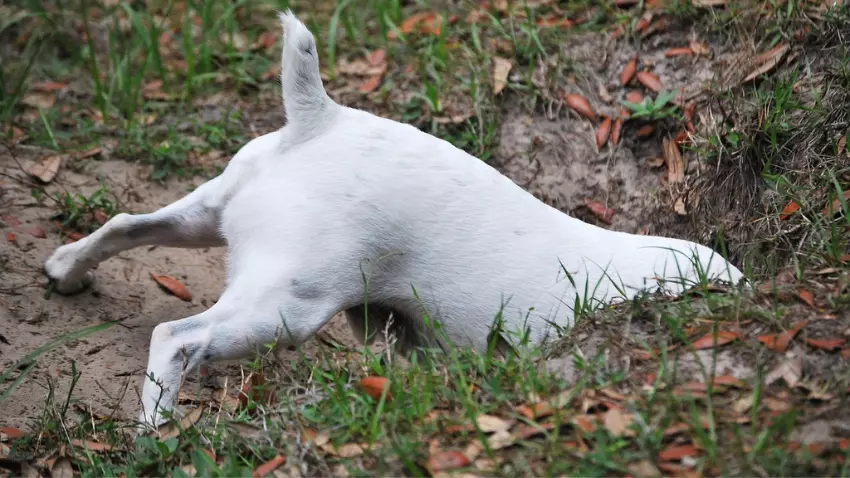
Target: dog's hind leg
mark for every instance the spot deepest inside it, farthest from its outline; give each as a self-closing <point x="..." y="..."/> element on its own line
<point x="189" y="222"/>
<point x="258" y="308"/>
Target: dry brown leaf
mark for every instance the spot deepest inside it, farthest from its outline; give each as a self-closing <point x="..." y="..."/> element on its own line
<point x="371" y="84"/>
<point x="580" y="105"/>
<point x="790" y="370"/>
<point x="827" y="344"/>
<point x="43" y="101"/>
<point x="628" y="72"/>
<point x="501" y="68"/>
<point x="700" y="48"/>
<point x="788" y="210"/>
<point x="835" y="206"/>
<point x="173" y="286"/>
<point x="677" y="452"/>
<point x="491" y="424"/>
<point x="603" y="132"/>
<point x="709" y="340"/>
<point x="348" y="450"/>
<point x="172" y="430"/>
<point x="767" y="61"/>
<point x="617" y="422"/>
<point x="643" y="468"/>
<point x="780" y="342"/>
<point x="742" y="405"/>
<point x="679" y="51"/>
<point x="62" y="468"/>
<point x="92" y="445"/>
<point x="806" y="296"/>
<point x="446" y="460"/>
<point x="374" y="387"/>
<point x="46" y="168"/>
<point x="650" y="81"/>
<point x="47" y="86"/>
<point x="584" y="423"/>
<point x="645" y="131"/>
<point x="710" y="3"/>
<point x="674" y="160"/>
<point x="269" y="466"/>
<point x="499" y="440"/>
<point x="634" y="96"/>
<point x="599" y="210"/>
<point x="615" y="131"/>
<point x="11" y="433"/>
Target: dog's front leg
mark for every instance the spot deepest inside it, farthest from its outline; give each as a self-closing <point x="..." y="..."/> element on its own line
<point x="190" y="222"/>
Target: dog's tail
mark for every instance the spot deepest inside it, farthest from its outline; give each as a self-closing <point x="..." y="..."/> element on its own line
<point x="305" y="102"/>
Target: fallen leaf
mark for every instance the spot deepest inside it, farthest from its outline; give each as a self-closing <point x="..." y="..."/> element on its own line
<point x="677" y="452"/>
<point x="91" y="152"/>
<point x="265" y="41"/>
<point x="348" y="450"/>
<point x="628" y="72"/>
<point x="374" y="387"/>
<point x="501" y="68"/>
<point x="580" y="105"/>
<point x="780" y="342"/>
<point x="371" y="84"/>
<point x="679" y="51"/>
<point x="172" y="430"/>
<point x="11" y="237"/>
<point x="807" y="297"/>
<point x="835" y="206"/>
<point x="790" y="370"/>
<point x="12" y="221"/>
<point x="645" y="131"/>
<point x="428" y="23"/>
<point x="584" y="423"/>
<point x="37" y="100"/>
<point x="826" y="344"/>
<point x="47" y="86"/>
<point x="46" y="168"/>
<point x="500" y="440"/>
<point x="845" y="353"/>
<point x="91" y="445"/>
<point x="650" y="81"/>
<point x="173" y="286"/>
<point x="269" y="466"/>
<point x="446" y="460"/>
<point x="603" y="132"/>
<point x="674" y="160"/>
<point x="599" y="210"/>
<point x="710" y="3"/>
<point x="11" y="433"/>
<point x="617" y="422"/>
<point x="62" y="468"/>
<point x="615" y="131"/>
<point x="643" y="468"/>
<point x="788" y="210"/>
<point x="634" y="96"/>
<point x="767" y="61"/>
<point x="710" y="341"/>
<point x="491" y="424"/>
<point x="700" y="48"/>
<point x="742" y="405"/>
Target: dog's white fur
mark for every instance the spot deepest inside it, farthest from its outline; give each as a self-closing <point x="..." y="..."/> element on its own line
<point x="341" y="207"/>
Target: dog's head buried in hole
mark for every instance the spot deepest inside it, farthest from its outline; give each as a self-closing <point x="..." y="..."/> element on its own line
<point x="339" y="207"/>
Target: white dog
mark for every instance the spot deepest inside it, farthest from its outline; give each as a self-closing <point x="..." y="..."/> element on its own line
<point x="341" y="208"/>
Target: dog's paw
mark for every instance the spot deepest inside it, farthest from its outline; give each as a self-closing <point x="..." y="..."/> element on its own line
<point x="69" y="274"/>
